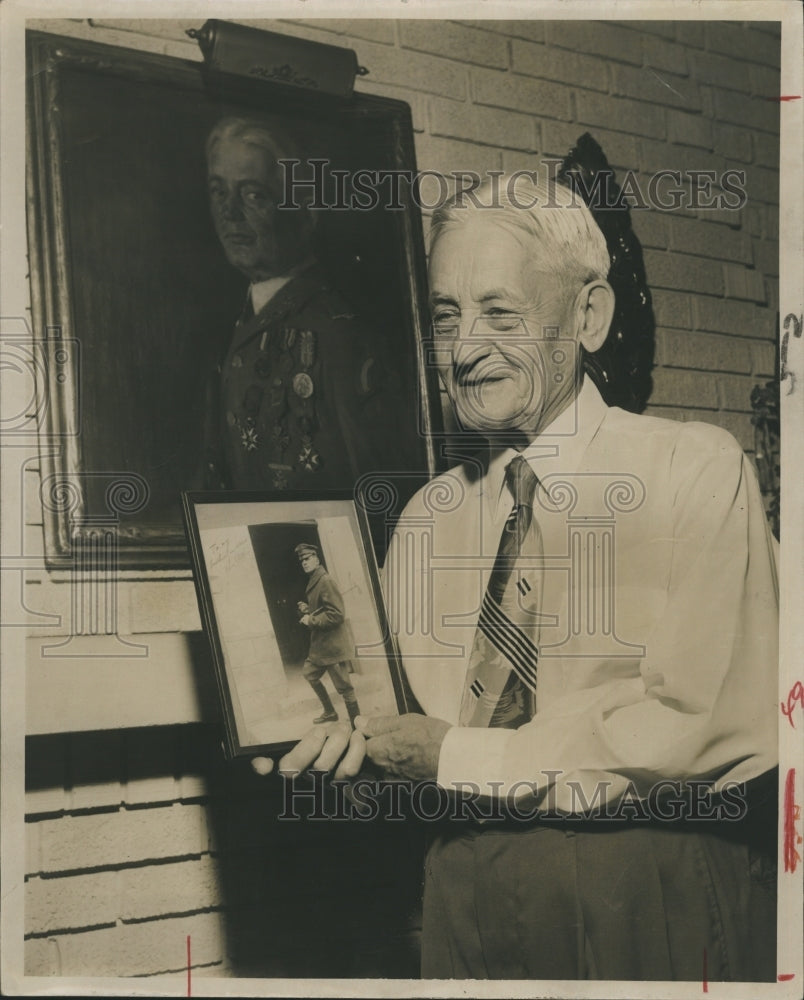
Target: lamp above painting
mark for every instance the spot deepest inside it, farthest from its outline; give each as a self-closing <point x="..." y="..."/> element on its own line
<point x="265" y="55"/>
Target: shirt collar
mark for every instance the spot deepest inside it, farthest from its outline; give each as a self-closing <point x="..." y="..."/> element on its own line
<point x="559" y="448"/>
<point x="262" y="292"/>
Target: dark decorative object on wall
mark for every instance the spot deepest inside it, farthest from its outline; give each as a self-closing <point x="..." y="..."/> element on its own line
<point x="621" y="368"/>
<point x="765" y="418"/>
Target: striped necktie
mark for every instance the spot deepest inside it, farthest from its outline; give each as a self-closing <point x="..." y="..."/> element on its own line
<point x="501" y="679"/>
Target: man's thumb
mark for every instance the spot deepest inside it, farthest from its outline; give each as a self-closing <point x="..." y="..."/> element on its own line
<point x="376" y="725"/>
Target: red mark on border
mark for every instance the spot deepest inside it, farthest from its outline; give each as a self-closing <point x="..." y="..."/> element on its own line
<point x="704" y="979"/>
<point x="792" y="813"/>
<point x="785" y="97"/>
<point x="795" y="699"/>
<point x="785" y="977"/>
<point x="189" y="972"/>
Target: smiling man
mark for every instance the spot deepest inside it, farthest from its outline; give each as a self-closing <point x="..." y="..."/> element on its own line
<point x="588" y="616"/>
<point x="301" y="367"/>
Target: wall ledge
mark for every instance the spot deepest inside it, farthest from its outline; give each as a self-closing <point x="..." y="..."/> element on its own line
<point x="84" y="683"/>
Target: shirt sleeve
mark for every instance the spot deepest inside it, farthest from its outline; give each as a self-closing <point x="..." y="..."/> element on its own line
<point x="704" y="703"/>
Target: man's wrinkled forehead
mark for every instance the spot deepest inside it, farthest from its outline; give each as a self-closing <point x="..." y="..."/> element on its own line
<point x="229" y="146"/>
<point x="480" y="232"/>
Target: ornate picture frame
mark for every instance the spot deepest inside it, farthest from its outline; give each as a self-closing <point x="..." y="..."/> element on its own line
<point x="134" y="301"/>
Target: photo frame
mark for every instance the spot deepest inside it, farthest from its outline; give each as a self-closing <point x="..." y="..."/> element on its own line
<point x="290" y="600"/>
<point x="134" y="301"/>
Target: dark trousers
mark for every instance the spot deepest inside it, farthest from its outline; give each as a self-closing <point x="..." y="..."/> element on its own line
<point x="339" y="672"/>
<point x="635" y="902"/>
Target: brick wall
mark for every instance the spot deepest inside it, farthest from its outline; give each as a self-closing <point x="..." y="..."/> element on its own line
<point x="123" y="860"/>
<point x="141" y="838"/>
<point x="119" y="866"/>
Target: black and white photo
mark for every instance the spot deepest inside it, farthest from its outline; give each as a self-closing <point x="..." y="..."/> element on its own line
<point x="291" y="599"/>
<point x="400" y="498"/>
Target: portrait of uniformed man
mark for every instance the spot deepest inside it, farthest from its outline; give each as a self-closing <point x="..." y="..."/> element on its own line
<point x="331" y="643"/>
<point x="301" y="399"/>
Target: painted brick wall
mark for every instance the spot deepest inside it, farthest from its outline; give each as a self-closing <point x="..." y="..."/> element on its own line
<point x="122" y="861"/>
<point x="119" y="866"/>
<point x="141" y="838"/>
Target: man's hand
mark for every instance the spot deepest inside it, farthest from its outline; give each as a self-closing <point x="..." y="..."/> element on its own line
<point x="405" y="746"/>
<point x="322" y="748"/>
<point x="305" y="620"/>
<point x="303" y="607"/>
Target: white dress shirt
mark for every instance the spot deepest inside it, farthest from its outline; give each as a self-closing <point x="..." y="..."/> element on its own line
<point x="262" y="292"/>
<point x="658" y="646"/>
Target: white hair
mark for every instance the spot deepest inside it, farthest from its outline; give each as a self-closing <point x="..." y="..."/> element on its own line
<point x="553" y="218"/>
<point x="271" y="136"/>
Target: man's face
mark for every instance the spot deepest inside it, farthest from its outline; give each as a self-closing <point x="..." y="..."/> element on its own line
<point x="309" y="562"/>
<point x="245" y="188"/>
<point x="498" y="314"/>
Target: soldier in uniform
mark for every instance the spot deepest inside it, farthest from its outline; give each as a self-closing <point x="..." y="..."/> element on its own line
<point x="331" y="646"/>
<point x="301" y="368"/>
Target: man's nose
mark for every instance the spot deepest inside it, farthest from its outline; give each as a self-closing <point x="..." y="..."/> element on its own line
<point x="471" y="343"/>
<point x="232" y="207"/>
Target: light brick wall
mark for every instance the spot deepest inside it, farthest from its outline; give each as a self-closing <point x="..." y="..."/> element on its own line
<point x="121" y="859"/>
<point x="141" y="838"/>
<point x="120" y="870"/>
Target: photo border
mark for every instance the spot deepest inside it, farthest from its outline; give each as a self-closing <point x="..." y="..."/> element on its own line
<point x="191" y="500"/>
<point x="792" y="490"/>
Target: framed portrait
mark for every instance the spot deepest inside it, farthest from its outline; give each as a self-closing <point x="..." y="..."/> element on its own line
<point x="291" y="603"/>
<point x="138" y="294"/>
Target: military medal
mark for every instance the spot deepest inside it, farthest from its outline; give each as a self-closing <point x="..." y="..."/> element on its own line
<point x="248" y="436"/>
<point x="279" y="437"/>
<point x="279" y="475"/>
<point x="307" y="348"/>
<point x="303" y="385"/>
<point x="309" y="459"/>
<point x="248" y="428"/>
<point x="262" y="363"/>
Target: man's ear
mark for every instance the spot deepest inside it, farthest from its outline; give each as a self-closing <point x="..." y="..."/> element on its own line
<point x="595" y="309"/>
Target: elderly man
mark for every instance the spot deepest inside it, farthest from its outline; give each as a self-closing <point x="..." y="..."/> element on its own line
<point x="588" y="616"/>
<point x="300" y="368"/>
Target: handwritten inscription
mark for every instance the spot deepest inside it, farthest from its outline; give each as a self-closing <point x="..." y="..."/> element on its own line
<point x="792" y="817"/>
<point x="218" y="551"/>
<point x="796" y="322"/>
<point x="227" y="551"/>
<point x="795" y="699"/>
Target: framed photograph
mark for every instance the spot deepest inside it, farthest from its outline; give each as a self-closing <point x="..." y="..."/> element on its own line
<point x="291" y="603"/>
<point x="161" y="369"/>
